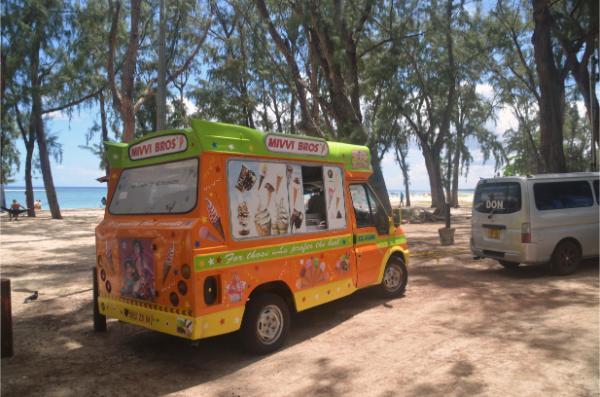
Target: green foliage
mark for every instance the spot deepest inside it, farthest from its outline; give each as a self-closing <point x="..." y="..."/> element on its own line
<point x="375" y="72"/>
<point x="9" y="154"/>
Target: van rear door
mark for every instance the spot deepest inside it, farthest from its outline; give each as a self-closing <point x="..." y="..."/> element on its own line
<point x="498" y="213"/>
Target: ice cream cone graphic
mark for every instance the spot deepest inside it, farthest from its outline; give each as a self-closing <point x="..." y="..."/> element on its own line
<point x="288" y="173"/>
<point x="270" y="190"/>
<point x="214" y="218"/>
<point x="263" y="174"/>
<point x="331" y="192"/>
<point x="295" y="190"/>
<point x="168" y="262"/>
<point x="278" y="183"/>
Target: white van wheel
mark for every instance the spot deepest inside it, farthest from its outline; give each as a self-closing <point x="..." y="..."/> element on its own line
<point x="565" y="258"/>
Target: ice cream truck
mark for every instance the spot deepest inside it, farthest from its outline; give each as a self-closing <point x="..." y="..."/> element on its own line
<point x="220" y="228"/>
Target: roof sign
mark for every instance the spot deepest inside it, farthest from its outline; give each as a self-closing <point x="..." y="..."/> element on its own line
<point x="292" y="145"/>
<point x="360" y="159"/>
<point x="161" y="145"/>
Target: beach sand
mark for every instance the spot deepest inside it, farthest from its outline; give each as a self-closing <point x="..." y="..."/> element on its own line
<point x="464" y="327"/>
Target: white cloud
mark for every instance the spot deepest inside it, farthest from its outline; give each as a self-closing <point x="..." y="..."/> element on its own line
<point x="581" y="109"/>
<point x="505" y="120"/>
<point x="486" y="90"/>
<point x="190" y="108"/>
<point x="58" y="115"/>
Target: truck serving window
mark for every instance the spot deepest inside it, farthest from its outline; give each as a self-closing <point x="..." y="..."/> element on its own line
<point x="499" y="198"/>
<point x="559" y="195"/>
<point x="168" y="188"/>
<point x="270" y="198"/>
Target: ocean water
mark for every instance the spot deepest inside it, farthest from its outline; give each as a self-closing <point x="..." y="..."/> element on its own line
<point x="68" y="197"/>
<point x="89" y="197"/>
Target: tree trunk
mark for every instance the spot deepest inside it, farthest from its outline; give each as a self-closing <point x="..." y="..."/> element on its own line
<point x="29" y="143"/>
<point x="292" y="113"/>
<point x="38" y="124"/>
<point x="29" y="198"/>
<point x="453" y="199"/>
<point x="378" y="183"/>
<point x="104" y="127"/>
<point x="587" y="90"/>
<point x="161" y="92"/>
<point x="404" y="168"/>
<point x="128" y="115"/>
<point x="448" y="177"/>
<point x="2" y="196"/>
<point x="552" y="91"/>
<point x="432" y="163"/>
<point x="455" y="175"/>
<point x="46" y="170"/>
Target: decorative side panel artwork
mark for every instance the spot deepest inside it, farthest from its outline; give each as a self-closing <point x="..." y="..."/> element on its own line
<point x="334" y="197"/>
<point x="137" y="269"/>
<point x="260" y="194"/>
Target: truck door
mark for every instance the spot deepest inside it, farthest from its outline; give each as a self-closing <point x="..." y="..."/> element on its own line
<point x="371" y="223"/>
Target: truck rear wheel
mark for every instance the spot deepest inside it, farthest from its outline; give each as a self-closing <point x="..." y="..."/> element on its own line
<point x="266" y="323"/>
<point x="99" y="318"/>
<point x="565" y="258"/>
<point x="395" y="278"/>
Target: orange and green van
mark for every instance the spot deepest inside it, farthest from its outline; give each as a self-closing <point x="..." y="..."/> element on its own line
<point x="219" y="228"/>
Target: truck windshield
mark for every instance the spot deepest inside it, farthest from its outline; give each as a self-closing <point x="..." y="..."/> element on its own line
<point x="169" y="188"/>
<point x="499" y="198"/>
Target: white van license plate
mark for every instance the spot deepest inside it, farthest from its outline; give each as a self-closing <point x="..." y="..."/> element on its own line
<point x="493" y="233"/>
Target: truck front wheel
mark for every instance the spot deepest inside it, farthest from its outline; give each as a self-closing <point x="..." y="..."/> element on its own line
<point x="395" y="278"/>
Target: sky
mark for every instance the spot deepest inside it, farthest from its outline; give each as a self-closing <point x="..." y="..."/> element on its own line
<point x="80" y="167"/>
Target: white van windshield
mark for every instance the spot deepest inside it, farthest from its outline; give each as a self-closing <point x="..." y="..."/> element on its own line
<point x="169" y="188"/>
<point x="499" y="198"/>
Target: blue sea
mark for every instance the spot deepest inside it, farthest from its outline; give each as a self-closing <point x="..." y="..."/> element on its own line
<point x="89" y="197"/>
<point x="68" y="197"/>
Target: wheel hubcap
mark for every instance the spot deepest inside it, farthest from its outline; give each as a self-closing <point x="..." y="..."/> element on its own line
<point x="392" y="279"/>
<point x="567" y="258"/>
<point x="270" y="324"/>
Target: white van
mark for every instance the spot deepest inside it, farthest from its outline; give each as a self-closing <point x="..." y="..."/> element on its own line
<point x="550" y="218"/>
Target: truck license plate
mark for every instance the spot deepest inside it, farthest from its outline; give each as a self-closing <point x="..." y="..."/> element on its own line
<point x="493" y="233"/>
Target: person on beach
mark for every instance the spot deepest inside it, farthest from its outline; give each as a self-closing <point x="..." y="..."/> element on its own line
<point x="103" y="201"/>
<point x="37" y="205"/>
<point x="15" y="207"/>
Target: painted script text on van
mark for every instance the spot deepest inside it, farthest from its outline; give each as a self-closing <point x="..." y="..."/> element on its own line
<point x="158" y="146"/>
<point x="282" y="144"/>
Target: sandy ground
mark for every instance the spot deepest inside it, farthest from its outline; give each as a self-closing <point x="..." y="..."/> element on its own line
<point x="463" y="328"/>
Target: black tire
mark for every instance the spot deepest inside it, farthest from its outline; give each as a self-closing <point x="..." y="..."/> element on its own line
<point x="508" y="265"/>
<point x="565" y="258"/>
<point x="394" y="284"/>
<point x="266" y="323"/>
<point x="99" y="319"/>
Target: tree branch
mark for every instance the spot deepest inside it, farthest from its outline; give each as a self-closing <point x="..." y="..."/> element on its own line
<point x="112" y="42"/>
<point x="149" y="91"/>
